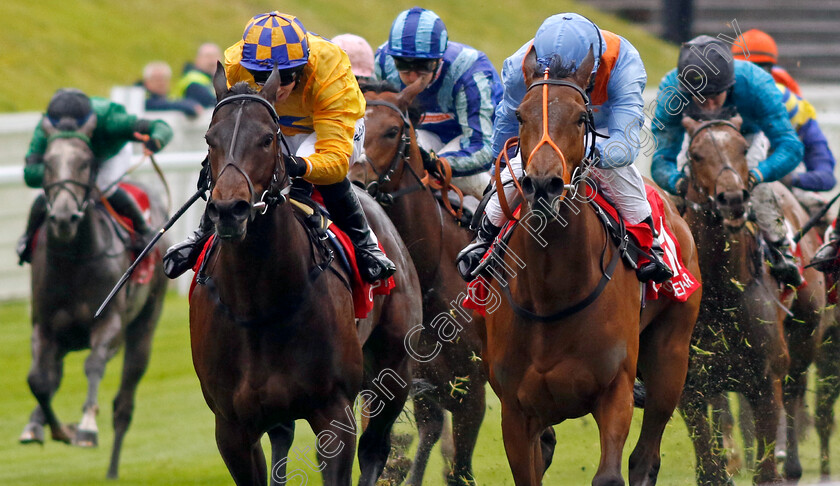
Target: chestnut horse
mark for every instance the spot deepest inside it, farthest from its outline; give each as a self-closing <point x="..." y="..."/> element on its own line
<point x="274" y="338"/>
<point x="746" y="339"/>
<point x="567" y="338"/>
<point x="393" y="173"/>
<point x="78" y="256"/>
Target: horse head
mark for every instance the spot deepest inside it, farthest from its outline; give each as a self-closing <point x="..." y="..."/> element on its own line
<point x="247" y="173"/>
<point x="389" y="136"/>
<point x="69" y="175"/>
<point x="718" y="171"/>
<point x="554" y="117"/>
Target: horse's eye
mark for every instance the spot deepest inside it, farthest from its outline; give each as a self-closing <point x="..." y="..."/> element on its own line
<point x="582" y="119"/>
<point x="694" y="156"/>
<point x="392" y="133"/>
<point x="519" y="117"/>
<point x="267" y="141"/>
<point x="746" y="150"/>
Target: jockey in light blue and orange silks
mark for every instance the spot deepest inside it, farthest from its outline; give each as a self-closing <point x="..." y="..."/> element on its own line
<point x="616" y="99"/>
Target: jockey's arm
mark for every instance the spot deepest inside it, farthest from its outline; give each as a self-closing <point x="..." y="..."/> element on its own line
<point x="770" y="114"/>
<point x="339" y="105"/>
<point x="627" y="111"/>
<point x="668" y="133"/>
<point x="505" y="124"/>
<point x="474" y="111"/>
<point x="818" y="159"/>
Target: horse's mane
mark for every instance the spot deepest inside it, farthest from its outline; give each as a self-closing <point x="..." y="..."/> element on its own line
<point x="559" y="69"/>
<point x="242" y="87"/>
<point x="415" y="112"/>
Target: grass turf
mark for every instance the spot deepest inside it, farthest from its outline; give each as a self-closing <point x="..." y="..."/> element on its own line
<point x="171" y="439"/>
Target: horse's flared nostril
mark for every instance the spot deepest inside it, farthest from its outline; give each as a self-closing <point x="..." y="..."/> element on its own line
<point x="212" y="211"/>
<point x="241" y="209"/>
<point x="528" y="185"/>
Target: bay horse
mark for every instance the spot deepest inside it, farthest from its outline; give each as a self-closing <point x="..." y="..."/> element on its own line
<point x="569" y="338"/>
<point x="78" y="256"/>
<point x="448" y="367"/>
<point x="750" y="333"/>
<point x="273" y="333"/>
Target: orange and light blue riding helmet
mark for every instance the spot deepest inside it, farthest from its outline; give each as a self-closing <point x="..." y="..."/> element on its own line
<point x="417" y="33"/>
<point x="274" y="39"/>
<point x="760" y="45"/>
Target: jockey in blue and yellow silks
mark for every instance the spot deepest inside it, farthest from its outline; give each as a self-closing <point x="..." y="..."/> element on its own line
<point x="728" y="85"/>
<point x="321" y="110"/>
<point x="460" y="98"/>
<point x="616" y="97"/>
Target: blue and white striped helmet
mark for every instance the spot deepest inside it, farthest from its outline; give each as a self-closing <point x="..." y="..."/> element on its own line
<point x="417" y="33"/>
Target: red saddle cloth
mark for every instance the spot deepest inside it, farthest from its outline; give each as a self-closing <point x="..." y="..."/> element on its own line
<point x="679" y="288"/>
<point x="143" y="273"/>
<point x="363" y="292"/>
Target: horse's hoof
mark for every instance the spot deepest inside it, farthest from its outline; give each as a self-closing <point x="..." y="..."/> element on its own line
<point x="65" y="433"/>
<point x="460" y="480"/>
<point x="86" y="438"/>
<point x="32" y="433"/>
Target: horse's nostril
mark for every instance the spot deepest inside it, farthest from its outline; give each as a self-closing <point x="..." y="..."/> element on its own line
<point x="75" y="217"/>
<point x="212" y="210"/>
<point x="241" y="209"/>
<point x="746" y="195"/>
<point x="528" y="185"/>
<point x="556" y="185"/>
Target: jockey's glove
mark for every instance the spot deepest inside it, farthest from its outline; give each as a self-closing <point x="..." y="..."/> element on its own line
<point x="754" y="180"/>
<point x="154" y="145"/>
<point x="681" y="186"/>
<point x="295" y="166"/>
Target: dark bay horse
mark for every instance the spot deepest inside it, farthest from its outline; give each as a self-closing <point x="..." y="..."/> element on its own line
<point x="78" y="257"/>
<point x="274" y="338"/>
<point x="393" y="171"/>
<point x="746" y="339"/>
<point x="568" y="337"/>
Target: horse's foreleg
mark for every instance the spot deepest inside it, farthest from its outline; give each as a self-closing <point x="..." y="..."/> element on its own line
<point x="281" y="438"/>
<point x="764" y="405"/>
<point x="391" y="388"/>
<point x="709" y="469"/>
<point x="429" y="418"/>
<point x="335" y="427"/>
<point x="44" y="379"/>
<point x="613" y="413"/>
<point x="138" y="349"/>
<point x="828" y="389"/>
<point x="663" y="363"/>
<point x="103" y="346"/>
<point x="520" y="442"/>
<point x="466" y="422"/>
<point x="242" y="453"/>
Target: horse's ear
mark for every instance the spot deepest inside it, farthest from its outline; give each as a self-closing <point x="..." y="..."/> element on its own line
<point x="529" y="65"/>
<point x="47" y="126"/>
<point x="220" y="82"/>
<point x="89" y="126"/>
<point x="584" y="71"/>
<point x="406" y="96"/>
<point x="737" y="121"/>
<point x="690" y="125"/>
<point x="269" y="89"/>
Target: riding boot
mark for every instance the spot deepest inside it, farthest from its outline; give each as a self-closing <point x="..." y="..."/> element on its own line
<point x="825" y="259"/>
<point x="469" y="258"/>
<point x="346" y="210"/>
<point x="37" y="215"/>
<point x="656" y="269"/>
<point x="182" y="256"/>
<point x="782" y="263"/>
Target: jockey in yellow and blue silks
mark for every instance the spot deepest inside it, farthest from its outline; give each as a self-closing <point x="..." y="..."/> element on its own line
<point x="460" y="98"/>
<point x="720" y="83"/>
<point x="616" y="95"/>
<point x="321" y="110"/>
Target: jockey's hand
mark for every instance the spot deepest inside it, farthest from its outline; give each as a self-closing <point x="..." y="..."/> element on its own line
<point x="150" y="145"/>
<point x="787" y="180"/>
<point x="753" y="180"/>
<point x="295" y="166"/>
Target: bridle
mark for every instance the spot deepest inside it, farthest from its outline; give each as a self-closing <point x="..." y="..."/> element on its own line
<point x="278" y="189"/>
<point x="570" y="180"/>
<point x="82" y="203"/>
<point x="401" y="155"/>
<point x="708" y="204"/>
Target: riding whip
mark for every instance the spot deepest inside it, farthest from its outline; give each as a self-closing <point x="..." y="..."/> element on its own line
<point x="148" y="248"/>
<point x="815" y="219"/>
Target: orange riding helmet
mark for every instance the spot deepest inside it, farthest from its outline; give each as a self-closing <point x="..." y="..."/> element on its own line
<point x="762" y="48"/>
